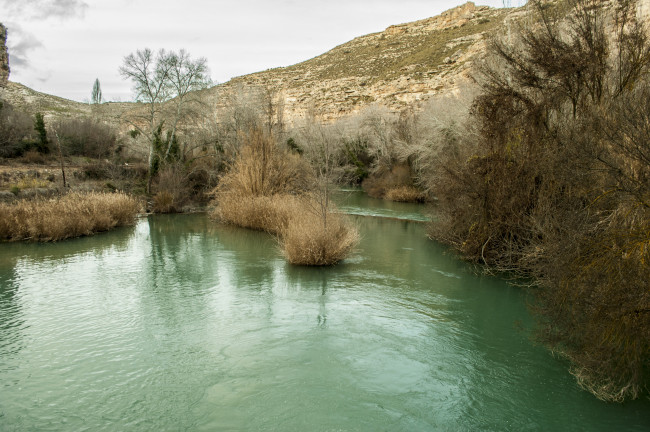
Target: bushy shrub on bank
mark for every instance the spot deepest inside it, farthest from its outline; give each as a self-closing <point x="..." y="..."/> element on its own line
<point x="557" y="185"/>
<point x="72" y="215"/>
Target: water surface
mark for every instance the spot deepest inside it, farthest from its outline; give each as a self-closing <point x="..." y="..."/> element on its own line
<point x="181" y="324"/>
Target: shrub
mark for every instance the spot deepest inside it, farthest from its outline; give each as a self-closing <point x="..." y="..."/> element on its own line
<point x="33" y="157"/>
<point x="42" y="143"/>
<point x="72" y="215"/>
<point x="263" y="213"/>
<point x="263" y="169"/>
<point x="163" y="202"/>
<point x="16" y="131"/>
<point x="307" y="241"/>
<point x="385" y="179"/>
<point x="172" y="188"/>
<point x="99" y="170"/>
<point x="557" y="186"/>
<point x="86" y="137"/>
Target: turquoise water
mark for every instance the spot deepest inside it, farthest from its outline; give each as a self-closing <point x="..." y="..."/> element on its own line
<point x="182" y="324"/>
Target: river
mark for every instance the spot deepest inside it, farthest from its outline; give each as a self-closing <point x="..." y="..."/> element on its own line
<point x="179" y="323"/>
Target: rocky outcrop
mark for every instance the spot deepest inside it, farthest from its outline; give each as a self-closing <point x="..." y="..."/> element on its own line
<point x="4" y="57"/>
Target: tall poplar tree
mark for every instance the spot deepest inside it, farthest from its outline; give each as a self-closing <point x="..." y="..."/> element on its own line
<point x="96" y="97"/>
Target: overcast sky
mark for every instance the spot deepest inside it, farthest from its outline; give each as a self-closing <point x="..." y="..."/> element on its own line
<point x="60" y="46"/>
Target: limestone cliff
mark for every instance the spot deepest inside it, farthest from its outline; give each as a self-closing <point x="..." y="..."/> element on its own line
<point x="4" y="57"/>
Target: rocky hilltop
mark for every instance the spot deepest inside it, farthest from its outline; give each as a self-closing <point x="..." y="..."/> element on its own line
<point x="404" y="64"/>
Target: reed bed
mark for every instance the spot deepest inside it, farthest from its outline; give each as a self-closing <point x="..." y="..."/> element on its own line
<point x="71" y="215"/>
<point x="305" y="236"/>
<point x="404" y="194"/>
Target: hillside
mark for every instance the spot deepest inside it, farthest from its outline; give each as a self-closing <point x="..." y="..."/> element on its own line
<point x="403" y="64"/>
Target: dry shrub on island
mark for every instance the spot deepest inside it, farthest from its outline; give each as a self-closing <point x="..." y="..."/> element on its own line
<point x="306" y="240"/>
<point x="72" y="215"/>
<point x="267" y="189"/>
<point x="263" y="213"/>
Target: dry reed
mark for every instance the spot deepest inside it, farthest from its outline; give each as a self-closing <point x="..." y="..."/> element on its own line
<point x="303" y="236"/>
<point x="72" y="215"/>
<point x="404" y="194"/>
<point x="308" y="241"/>
<point x="263" y="213"/>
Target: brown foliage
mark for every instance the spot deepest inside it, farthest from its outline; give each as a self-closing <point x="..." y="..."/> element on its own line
<point x="86" y="137"/>
<point x="263" y="169"/>
<point x="404" y="194"/>
<point x="307" y="241"/>
<point x="172" y="188"/>
<point x="262" y="213"/>
<point x="33" y="157"/>
<point x="16" y="131"/>
<point x="72" y="215"/>
<point x="558" y="187"/>
<point x="384" y="179"/>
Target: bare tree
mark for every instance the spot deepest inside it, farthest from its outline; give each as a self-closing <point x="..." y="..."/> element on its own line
<point x="156" y="80"/>
<point x="185" y="76"/>
<point x="321" y="144"/>
<point x="150" y="76"/>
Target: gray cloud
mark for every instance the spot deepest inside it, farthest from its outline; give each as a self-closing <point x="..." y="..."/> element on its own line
<point x="40" y="9"/>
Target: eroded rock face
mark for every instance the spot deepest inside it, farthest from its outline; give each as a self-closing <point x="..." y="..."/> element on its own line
<point x="4" y="57"/>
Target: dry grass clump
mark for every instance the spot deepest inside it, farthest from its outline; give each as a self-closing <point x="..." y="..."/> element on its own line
<point x="263" y="213"/>
<point x="33" y="157"/>
<point x="308" y="241"/>
<point x="303" y="236"/>
<point x="404" y="194"/>
<point x="263" y="169"/>
<point x="163" y="202"/>
<point x="72" y="215"/>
